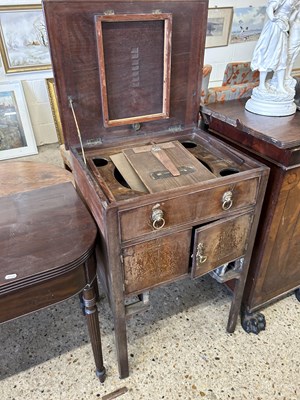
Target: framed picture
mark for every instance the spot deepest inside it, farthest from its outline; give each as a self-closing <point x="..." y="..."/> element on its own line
<point x="23" y="39"/>
<point x="16" y="135"/>
<point x="218" y="26"/>
<point x="54" y="107"/>
<point x="247" y="24"/>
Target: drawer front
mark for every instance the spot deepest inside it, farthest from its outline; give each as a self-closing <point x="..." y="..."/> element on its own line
<point x="189" y="208"/>
<point x="219" y="243"/>
<point x="156" y="261"/>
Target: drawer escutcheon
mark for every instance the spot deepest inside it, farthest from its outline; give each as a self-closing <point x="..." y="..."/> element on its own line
<point x="201" y="258"/>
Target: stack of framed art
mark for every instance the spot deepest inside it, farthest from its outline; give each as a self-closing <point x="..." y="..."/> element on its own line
<point x="24" y="48"/>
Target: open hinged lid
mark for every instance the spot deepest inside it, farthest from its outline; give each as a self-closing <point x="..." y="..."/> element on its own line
<point x="123" y="68"/>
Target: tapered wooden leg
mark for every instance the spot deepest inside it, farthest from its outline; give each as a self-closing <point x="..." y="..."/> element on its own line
<point x="237" y="297"/>
<point x="91" y="313"/>
<point x="121" y="342"/>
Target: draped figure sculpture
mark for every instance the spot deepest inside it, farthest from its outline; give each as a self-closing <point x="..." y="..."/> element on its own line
<point x="275" y="53"/>
<point x="294" y="40"/>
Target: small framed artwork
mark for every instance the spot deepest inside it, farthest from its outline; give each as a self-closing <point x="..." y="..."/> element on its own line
<point x="54" y="107"/>
<point x="16" y="135"/>
<point x="218" y="26"/>
<point x="24" y="43"/>
<point x="247" y="24"/>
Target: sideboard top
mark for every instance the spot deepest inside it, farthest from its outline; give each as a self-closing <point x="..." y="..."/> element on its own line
<point x="281" y="132"/>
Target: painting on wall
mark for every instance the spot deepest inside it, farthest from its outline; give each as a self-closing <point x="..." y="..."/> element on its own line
<point x="16" y="135"/>
<point x="247" y="24"/>
<point x="23" y="39"/>
<point x="218" y="26"/>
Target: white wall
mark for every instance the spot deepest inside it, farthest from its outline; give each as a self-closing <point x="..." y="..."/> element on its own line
<point x="35" y="89"/>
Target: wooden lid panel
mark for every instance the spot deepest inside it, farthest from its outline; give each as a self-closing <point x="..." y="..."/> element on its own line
<point x="72" y="34"/>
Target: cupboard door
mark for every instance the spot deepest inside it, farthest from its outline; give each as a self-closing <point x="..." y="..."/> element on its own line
<point x="219" y="243"/>
<point x="157" y="261"/>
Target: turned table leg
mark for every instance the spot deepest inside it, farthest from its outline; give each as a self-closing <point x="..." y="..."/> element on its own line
<point x="91" y="314"/>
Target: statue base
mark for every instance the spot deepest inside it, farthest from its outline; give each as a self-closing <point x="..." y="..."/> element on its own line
<point x="279" y="109"/>
<point x="271" y="102"/>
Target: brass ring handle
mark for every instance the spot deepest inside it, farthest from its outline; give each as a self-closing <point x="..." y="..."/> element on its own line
<point x="227" y="204"/>
<point x="159" y="223"/>
<point x="227" y="201"/>
<point x="157" y="218"/>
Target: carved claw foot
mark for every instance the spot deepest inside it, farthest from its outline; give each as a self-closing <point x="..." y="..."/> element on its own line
<point x="253" y="322"/>
<point x="297" y="294"/>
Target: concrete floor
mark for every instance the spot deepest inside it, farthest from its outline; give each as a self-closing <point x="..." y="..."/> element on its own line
<point x="179" y="349"/>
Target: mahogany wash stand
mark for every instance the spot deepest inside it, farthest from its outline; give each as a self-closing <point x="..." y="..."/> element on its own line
<point x="170" y="201"/>
<point x="41" y="217"/>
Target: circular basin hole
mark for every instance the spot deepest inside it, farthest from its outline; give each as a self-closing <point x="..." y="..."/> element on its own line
<point x="229" y="171"/>
<point x="189" y="145"/>
<point x="120" y="179"/>
<point x="205" y="164"/>
<point x="100" y="162"/>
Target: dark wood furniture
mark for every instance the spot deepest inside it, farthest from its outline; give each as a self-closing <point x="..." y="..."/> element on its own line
<point x="275" y="266"/>
<point x="47" y="242"/>
<point x="128" y="79"/>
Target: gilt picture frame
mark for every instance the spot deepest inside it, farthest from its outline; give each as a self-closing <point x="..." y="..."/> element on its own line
<point x="218" y="26"/>
<point x="16" y="134"/>
<point x="54" y="108"/>
<point x="24" y="43"/>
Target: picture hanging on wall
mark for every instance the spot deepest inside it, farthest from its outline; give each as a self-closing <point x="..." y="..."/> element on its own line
<point x="16" y="135"/>
<point x="54" y="107"/>
<point x="218" y="26"/>
<point x="247" y="24"/>
<point x="23" y="39"/>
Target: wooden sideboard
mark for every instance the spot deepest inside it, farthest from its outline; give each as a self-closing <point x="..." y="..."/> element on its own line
<point x="275" y="141"/>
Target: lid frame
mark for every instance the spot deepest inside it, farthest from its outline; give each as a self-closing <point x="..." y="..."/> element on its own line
<point x="165" y="112"/>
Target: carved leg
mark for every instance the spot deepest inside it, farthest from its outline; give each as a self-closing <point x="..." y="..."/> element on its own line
<point x="297" y="294"/>
<point x="91" y="312"/>
<point x="253" y="322"/>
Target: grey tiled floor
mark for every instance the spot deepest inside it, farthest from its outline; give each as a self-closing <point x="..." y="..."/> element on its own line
<point x="179" y="349"/>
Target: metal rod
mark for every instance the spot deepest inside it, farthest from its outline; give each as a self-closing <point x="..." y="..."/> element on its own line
<point x="77" y="128"/>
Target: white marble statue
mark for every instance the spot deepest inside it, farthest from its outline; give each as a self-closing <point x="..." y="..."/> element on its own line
<point x="275" y="53"/>
<point x="294" y="40"/>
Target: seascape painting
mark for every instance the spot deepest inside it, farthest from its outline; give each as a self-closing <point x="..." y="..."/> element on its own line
<point x="24" y="41"/>
<point x="247" y="24"/>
